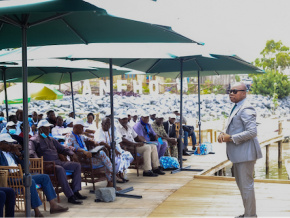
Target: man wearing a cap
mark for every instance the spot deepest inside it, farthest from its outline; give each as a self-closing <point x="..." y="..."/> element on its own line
<point x="11" y="130"/>
<point x="160" y="131"/>
<point x="143" y="128"/>
<point x="148" y="151"/>
<point x="10" y="156"/>
<point x="43" y="145"/>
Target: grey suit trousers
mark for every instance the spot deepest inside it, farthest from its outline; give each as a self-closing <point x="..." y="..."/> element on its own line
<point x="244" y="177"/>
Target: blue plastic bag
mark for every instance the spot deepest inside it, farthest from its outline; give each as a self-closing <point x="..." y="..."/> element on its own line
<point x="169" y="162"/>
<point x="205" y="148"/>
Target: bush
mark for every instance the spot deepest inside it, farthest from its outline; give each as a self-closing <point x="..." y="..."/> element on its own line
<point x="264" y="84"/>
<point x="208" y="88"/>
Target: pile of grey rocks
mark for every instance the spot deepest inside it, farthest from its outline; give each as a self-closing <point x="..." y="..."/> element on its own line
<point x="212" y="106"/>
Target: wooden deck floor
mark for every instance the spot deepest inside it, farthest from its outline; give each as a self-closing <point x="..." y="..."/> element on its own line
<point x="181" y="195"/>
<point x="214" y="197"/>
<point x="153" y="190"/>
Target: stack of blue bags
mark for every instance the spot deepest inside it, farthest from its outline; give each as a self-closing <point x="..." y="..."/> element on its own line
<point x="205" y="148"/>
<point x="169" y="162"/>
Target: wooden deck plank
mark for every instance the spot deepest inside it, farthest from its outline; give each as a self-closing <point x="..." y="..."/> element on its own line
<point x="209" y="197"/>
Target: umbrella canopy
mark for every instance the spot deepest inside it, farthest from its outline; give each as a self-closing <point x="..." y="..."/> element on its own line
<point x="47" y="94"/>
<point x="170" y="67"/>
<point x="56" y="71"/>
<point x="74" y="22"/>
<point x="64" y="77"/>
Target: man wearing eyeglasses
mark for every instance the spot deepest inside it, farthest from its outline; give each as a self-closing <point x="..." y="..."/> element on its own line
<point x="243" y="148"/>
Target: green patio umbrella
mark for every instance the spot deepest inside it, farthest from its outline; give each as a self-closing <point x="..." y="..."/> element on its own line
<point x="74" y="22"/>
<point x="67" y="22"/>
<point x="63" y="76"/>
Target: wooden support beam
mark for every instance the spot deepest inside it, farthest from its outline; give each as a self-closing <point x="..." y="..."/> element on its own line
<point x="280" y="154"/>
<point x="267" y="159"/>
<point x="224" y="171"/>
<point x="280" y="145"/>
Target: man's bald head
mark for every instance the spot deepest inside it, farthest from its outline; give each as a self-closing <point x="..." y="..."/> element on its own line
<point x="239" y="85"/>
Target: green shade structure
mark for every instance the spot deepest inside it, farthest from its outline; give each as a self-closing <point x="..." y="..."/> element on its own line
<point x="64" y="77"/>
<point x="170" y="67"/>
<point x="75" y="22"/>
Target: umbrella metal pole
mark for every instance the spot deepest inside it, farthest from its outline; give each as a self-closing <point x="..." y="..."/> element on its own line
<point x="113" y="143"/>
<point x="72" y="94"/>
<point x="112" y="124"/>
<point x="27" y="176"/>
<point x="180" y="129"/>
<point x="199" y="123"/>
<point x="5" y="90"/>
<point x="180" y="112"/>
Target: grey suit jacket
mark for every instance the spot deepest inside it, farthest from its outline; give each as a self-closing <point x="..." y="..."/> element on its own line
<point x="243" y="129"/>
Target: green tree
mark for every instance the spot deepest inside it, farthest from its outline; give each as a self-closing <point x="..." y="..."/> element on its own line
<point x="275" y="59"/>
<point x="237" y="78"/>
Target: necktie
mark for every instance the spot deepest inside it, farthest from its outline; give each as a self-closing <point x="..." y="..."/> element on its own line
<point x="233" y="109"/>
<point x="170" y="129"/>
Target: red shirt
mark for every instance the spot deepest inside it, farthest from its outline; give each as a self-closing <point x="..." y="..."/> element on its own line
<point x="21" y="135"/>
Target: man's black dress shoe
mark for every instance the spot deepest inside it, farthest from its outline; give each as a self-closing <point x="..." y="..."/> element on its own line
<point x="79" y="196"/>
<point x="73" y="200"/>
<point x="186" y="154"/>
<point x="149" y="173"/>
<point x="158" y="171"/>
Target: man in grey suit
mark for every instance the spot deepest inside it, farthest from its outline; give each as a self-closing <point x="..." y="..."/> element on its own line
<point x="243" y="148"/>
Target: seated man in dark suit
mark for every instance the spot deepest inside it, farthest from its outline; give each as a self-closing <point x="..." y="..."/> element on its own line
<point x="43" y="145"/>
<point x="169" y="127"/>
<point x="10" y="156"/>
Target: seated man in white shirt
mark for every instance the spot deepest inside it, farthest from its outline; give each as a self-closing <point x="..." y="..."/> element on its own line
<point x="149" y="151"/>
<point x="58" y="132"/>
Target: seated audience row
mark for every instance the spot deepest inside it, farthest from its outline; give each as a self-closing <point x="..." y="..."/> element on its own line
<point x="52" y="136"/>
